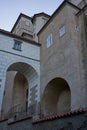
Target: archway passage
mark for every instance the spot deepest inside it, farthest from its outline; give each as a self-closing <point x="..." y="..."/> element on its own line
<point x="20" y="78"/>
<point x="56" y="98"/>
<point x="20" y="98"/>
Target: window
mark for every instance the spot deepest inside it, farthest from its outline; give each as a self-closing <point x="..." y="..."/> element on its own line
<point x="62" y="31"/>
<point x="17" y="45"/>
<point x="49" y="40"/>
<point x="44" y="21"/>
<point x="27" y="23"/>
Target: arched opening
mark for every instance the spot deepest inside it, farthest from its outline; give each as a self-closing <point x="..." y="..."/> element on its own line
<point x="56" y="98"/>
<point x="19" y="96"/>
<point x="20" y="79"/>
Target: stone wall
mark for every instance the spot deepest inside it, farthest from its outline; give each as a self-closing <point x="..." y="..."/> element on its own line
<point x="63" y="58"/>
<point x="25" y="61"/>
<point x="82" y="24"/>
<point x="24" y="26"/>
<point x="76" y="121"/>
<point x="75" y="2"/>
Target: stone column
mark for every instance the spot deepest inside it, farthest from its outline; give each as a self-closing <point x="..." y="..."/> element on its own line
<point x="2" y="85"/>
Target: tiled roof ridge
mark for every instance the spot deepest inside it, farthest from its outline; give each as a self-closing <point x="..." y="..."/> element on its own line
<point x="74" y="112"/>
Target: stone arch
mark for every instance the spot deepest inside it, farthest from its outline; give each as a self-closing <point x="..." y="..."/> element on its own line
<point x="22" y="68"/>
<point x="28" y="64"/>
<point x="21" y="73"/>
<point x="56" y="98"/>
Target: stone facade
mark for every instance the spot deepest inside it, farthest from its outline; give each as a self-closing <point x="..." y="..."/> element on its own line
<point x="25" y="62"/>
<point x="28" y="27"/>
<point x="49" y="78"/>
<point x="76" y="2"/>
<point x="63" y="59"/>
<point x="24" y="25"/>
<point x="79" y="3"/>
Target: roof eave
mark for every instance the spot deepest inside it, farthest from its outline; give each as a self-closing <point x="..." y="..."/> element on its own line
<point x="18" y="37"/>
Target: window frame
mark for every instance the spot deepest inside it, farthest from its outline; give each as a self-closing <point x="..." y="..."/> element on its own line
<point x="62" y="30"/>
<point x="49" y="40"/>
<point x="17" y="45"/>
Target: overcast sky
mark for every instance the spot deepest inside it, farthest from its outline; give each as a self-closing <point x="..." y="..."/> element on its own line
<point x="10" y="10"/>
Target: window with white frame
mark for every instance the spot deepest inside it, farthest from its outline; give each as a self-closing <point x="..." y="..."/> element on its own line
<point x="62" y="31"/>
<point x="17" y="45"/>
<point x="49" y="40"/>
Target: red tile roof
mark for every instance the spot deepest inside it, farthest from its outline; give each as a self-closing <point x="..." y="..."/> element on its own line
<point x="75" y="112"/>
<point x="49" y="118"/>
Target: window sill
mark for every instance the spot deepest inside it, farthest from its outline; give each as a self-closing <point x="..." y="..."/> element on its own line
<point x="17" y="49"/>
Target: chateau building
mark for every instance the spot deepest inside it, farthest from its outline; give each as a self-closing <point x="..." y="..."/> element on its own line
<point x="43" y="65"/>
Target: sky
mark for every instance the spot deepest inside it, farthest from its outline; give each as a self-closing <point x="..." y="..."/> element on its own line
<point x="11" y="9"/>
